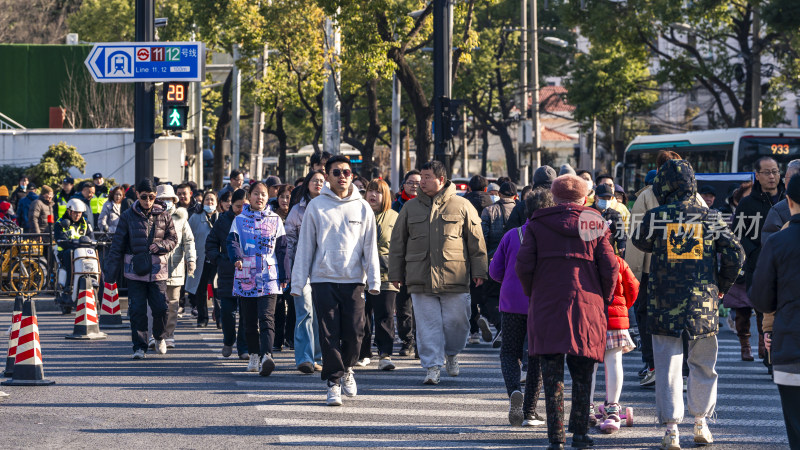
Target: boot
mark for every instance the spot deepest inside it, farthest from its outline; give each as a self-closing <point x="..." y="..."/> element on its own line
<point x="762" y="349"/>
<point x="746" y="352"/>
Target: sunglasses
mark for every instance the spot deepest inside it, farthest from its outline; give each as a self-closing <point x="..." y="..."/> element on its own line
<point x="150" y="197"/>
<point x="339" y="172"/>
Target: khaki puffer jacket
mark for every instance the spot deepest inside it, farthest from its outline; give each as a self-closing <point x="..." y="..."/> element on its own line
<point x="437" y="244"/>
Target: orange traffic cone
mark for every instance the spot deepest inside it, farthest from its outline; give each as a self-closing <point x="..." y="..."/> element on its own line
<point x="110" y="316"/>
<point x="86" y="327"/>
<point x="13" y="337"/>
<point x="28" y="366"/>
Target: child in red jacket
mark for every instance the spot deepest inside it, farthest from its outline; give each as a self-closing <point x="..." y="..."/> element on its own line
<point x="618" y="341"/>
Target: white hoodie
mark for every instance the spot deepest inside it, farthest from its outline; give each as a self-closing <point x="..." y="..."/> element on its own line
<point x="337" y="243"/>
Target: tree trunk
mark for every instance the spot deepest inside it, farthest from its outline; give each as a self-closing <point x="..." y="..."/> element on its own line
<point x="373" y="129"/>
<point x="220" y="133"/>
<point x="512" y="171"/>
<point x="485" y="150"/>
<point x="280" y="133"/>
<point x="423" y="113"/>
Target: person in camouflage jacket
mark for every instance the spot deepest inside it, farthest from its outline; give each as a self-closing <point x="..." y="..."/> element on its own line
<point x="685" y="287"/>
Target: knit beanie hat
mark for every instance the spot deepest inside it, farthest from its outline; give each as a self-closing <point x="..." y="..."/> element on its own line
<point x="3" y="191"/>
<point x="569" y="189"/>
<point x="543" y="175"/>
<point x="567" y="169"/>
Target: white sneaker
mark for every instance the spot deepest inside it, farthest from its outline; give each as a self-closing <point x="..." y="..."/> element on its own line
<point x="486" y="333"/>
<point x="363" y="362"/>
<point x="252" y="366"/>
<point x="533" y="421"/>
<point x="170" y="343"/>
<point x="334" y="395"/>
<point x="161" y="346"/>
<point x="452" y="365"/>
<point x="474" y="338"/>
<point x="349" y="387"/>
<point x="385" y="363"/>
<point x="138" y="354"/>
<point x="433" y="376"/>
<point x="515" y="414"/>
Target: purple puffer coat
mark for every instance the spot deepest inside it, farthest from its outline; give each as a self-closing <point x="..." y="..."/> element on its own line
<point x="737" y="297"/>
<point x="501" y="269"/>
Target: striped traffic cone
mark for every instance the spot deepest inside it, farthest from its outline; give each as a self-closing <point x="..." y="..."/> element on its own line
<point x="110" y="316"/>
<point x="86" y="327"/>
<point x="13" y="337"/>
<point x="28" y="366"/>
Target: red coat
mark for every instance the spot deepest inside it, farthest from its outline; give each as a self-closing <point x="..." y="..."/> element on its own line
<point x="624" y="296"/>
<point x="569" y="280"/>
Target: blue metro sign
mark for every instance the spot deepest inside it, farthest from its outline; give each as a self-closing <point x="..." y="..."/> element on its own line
<point x="127" y="62"/>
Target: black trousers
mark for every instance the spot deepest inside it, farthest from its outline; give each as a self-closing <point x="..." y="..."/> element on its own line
<point x="790" y="398"/>
<point x="490" y="308"/>
<point x="515" y="331"/>
<point x="581" y="369"/>
<point x="284" y="321"/>
<point x="382" y="307"/>
<point x="141" y="294"/>
<point x="405" y="317"/>
<point x="742" y="321"/>
<point x="641" y="319"/>
<point x="340" y="314"/>
<point x="201" y="296"/>
<point x="476" y="298"/>
<point x="259" y="323"/>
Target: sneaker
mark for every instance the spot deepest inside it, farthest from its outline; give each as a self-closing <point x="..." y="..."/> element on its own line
<point x="151" y="344"/>
<point x="267" y="365"/>
<point x="611" y="421"/>
<point x="433" y="376"/>
<point x="452" y="365"/>
<point x="334" y="395"/>
<point x="515" y="415"/>
<point x="581" y="441"/>
<point x="161" y="346"/>
<point x="649" y="380"/>
<point x="523" y="376"/>
<point x="474" y="338"/>
<point x="685" y="383"/>
<point x="671" y="441"/>
<point x="486" y="333"/>
<point x="497" y="341"/>
<point x="385" y="363"/>
<point x="407" y="350"/>
<point x="363" y="362"/>
<point x="349" y="387"/>
<point x="181" y="310"/>
<point x="170" y="343"/>
<point x="318" y="367"/>
<point x="644" y="371"/>
<point x="306" y="368"/>
<point x="252" y="366"/>
<point x="138" y="354"/>
<point x="227" y="350"/>
<point x="194" y="312"/>
<point x="244" y="356"/>
<point x="533" y="421"/>
<point x="702" y="435"/>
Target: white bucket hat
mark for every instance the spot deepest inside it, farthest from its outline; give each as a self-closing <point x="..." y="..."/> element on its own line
<point x="165" y="192"/>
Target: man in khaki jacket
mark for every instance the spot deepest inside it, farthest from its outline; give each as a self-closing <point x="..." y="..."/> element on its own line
<point x="437" y="246"/>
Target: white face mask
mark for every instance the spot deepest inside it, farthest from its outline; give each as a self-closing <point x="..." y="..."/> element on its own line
<point x="168" y="204"/>
<point x="495" y="198"/>
<point x="602" y="203"/>
<point x="590" y="185"/>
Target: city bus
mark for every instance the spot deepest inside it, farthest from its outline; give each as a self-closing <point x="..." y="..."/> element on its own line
<point x="713" y="151"/>
<point x="297" y="163"/>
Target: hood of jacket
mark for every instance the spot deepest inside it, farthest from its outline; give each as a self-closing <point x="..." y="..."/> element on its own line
<point x="178" y="214"/>
<point x="564" y="219"/>
<point x="447" y="191"/>
<point x="32" y="195"/>
<point x="675" y="182"/>
<point x="353" y="195"/>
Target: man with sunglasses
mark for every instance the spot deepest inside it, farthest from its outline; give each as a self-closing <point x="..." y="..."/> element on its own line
<point x="751" y="214"/>
<point x="146" y="228"/>
<point x="337" y="252"/>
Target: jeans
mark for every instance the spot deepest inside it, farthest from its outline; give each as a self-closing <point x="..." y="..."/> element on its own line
<point x="259" y="322"/>
<point x="173" y="294"/>
<point x="701" y="391"/>
<point x="306" y="330"/>
<point x="442" y="326"/>
<point x="142" y="294"/>
<point x="340" y="312"/>
<point x="382" y="306"/>
<point x="406" y="328"/>
<point x="580" y="368"/>
<point x="228" y="307"/>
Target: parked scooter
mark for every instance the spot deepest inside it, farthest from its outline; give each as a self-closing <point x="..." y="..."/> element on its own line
<point x="85" y="263"/>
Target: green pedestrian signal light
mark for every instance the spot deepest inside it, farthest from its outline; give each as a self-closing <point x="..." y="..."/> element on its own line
<point x="175" y="117"/>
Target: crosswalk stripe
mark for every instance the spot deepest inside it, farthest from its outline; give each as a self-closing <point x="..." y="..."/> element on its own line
<point x="376" y="411"/>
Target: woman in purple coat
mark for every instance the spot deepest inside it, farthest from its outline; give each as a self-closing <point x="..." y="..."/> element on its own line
<point x="568" y="270"/>
<point x="514" y="309"/>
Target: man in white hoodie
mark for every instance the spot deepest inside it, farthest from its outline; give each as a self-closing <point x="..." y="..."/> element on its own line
<point x="337" y="253"/>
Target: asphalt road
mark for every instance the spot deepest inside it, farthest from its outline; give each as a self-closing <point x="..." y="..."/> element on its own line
<point x="193" y="398"/>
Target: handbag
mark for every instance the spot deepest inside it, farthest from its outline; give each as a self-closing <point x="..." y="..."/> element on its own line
<point x="142" y="263"/>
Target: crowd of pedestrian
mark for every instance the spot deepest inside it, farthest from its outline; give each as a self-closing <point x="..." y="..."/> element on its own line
<point x="562" y="270"/>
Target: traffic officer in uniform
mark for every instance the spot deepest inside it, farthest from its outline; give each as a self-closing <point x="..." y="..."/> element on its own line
<point x="72" y="225"/>
<point x="85" y="193"/>
<point x="63" y="196"/>
<point x="100" y="196"/>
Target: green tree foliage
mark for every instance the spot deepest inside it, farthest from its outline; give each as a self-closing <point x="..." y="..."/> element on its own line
<point x="104" y="21"/>
<point x="56" y="163"/>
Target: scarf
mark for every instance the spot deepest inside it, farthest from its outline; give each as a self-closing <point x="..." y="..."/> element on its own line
<point x="405" y="196"/>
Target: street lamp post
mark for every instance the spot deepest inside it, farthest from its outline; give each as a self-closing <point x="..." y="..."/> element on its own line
<point x="537" y="138"/>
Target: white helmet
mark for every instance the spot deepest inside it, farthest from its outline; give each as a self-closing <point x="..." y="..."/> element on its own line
<point x="76" y="205"/>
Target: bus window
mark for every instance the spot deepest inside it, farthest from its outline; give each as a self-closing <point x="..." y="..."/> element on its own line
<point x="782" y="149"/>
<point x="706" y="159"/>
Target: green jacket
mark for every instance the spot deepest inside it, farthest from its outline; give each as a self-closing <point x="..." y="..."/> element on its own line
<point x="385" y="221"/>
<point x="685" y="239"/>
<point x="437" y="244"/>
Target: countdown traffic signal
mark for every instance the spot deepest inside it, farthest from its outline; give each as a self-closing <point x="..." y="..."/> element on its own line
<point x="175" y="105"/>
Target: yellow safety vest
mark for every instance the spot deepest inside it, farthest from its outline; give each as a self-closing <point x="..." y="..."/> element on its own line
<point x="96" y="203"/>
<point x="62" y="205"/>
<point x="74" y="232"/>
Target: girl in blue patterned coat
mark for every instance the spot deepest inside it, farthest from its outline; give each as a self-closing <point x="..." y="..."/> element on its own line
<point x="256" y="246"/>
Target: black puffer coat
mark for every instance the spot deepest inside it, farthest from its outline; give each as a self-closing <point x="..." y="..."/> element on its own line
<point x="217" y="253"/>
<point x="131" y="238"/>
<point x="751" y="215"/>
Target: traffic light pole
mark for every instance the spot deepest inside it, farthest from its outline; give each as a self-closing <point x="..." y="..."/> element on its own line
<point x="144" y="98"/>
<point x="442" y="67"/>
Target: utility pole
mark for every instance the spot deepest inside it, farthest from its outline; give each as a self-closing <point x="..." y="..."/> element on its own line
<point x="257" y="147"/>
<point x="236" y="104"/>
<point x="537" y="136"/>
<point x="442" y="68"/>
<point x="395" y="175"/>
<point x="523" y="84"/>
<point x="755" y="120"/>
<point x="331" y="119"/>
<point x="144" y="98"/>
